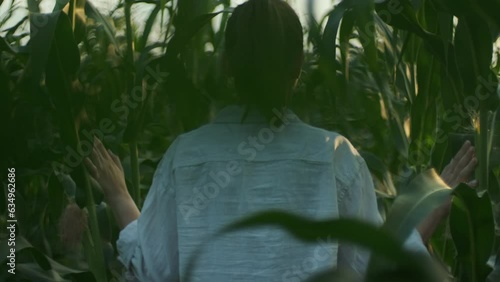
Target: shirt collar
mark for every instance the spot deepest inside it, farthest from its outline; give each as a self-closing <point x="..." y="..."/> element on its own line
<point x="234" y="113"/>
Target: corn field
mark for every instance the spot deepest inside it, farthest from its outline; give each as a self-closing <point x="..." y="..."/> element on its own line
<point x="407" y="81"/>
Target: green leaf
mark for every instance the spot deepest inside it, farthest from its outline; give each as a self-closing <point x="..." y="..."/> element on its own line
<point x="55" y="53"/>
<point x="46" y="29"/>
<point x="184" y="33"/>
<point x="327" y="44"/>
<point x="473" y="41"/>
<point x="42" y="29"/>
<point x="44" y="267"/>
<point x="417" y="201"/>
<point x="33" y="6"/>
<point x="442" y="245"/>
<point x="93" y="12"/>
<point x="494" y="276"/>
<point x="494" y="187"/>
<point x="381" y="171"/>
<point x="472" y="229"/>
<point x="5" y="47"/>
<point x="56" y="196"/>
<point x="62" y="61"/>
<point x="353" y="231"/>
<point x="400" y="14"/>
<point x="147" y="28"/>
<point x="308" y="230"/>
<point x="328" y="47"/>
<point x="59" y="5"/>
<point x="15" y="28"/>
<point x="488" y="9"/>
<point x="423" y="109"/>
<point x="365" y="25"/>
<point x="345" y="33"/>
<point x="458" y="8"/>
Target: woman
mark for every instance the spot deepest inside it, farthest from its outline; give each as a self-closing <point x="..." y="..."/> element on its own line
<point x="254" y="156"/>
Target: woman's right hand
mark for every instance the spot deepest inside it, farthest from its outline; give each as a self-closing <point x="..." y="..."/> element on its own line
<point x="461" y="167"/>
<point x="106" y="168"/>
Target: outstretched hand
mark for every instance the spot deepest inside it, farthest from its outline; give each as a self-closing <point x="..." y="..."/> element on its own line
<point x="457" y="171"/>
<point x="106" y="168"/>
<point x="461" y="167"/>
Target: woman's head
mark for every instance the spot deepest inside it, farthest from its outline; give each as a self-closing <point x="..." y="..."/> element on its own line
<point x="264" y="52"/>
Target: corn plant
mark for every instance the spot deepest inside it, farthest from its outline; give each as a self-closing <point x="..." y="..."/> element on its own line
<point x="413" y="72"/>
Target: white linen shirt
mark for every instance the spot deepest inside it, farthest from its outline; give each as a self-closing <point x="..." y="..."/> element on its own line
<point x="228" y="169"/>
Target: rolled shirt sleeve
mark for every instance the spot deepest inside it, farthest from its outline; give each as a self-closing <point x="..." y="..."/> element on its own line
<point x="357" y="199"/>
<point x="127" y="242"/>
<point x="148" y="247"/>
